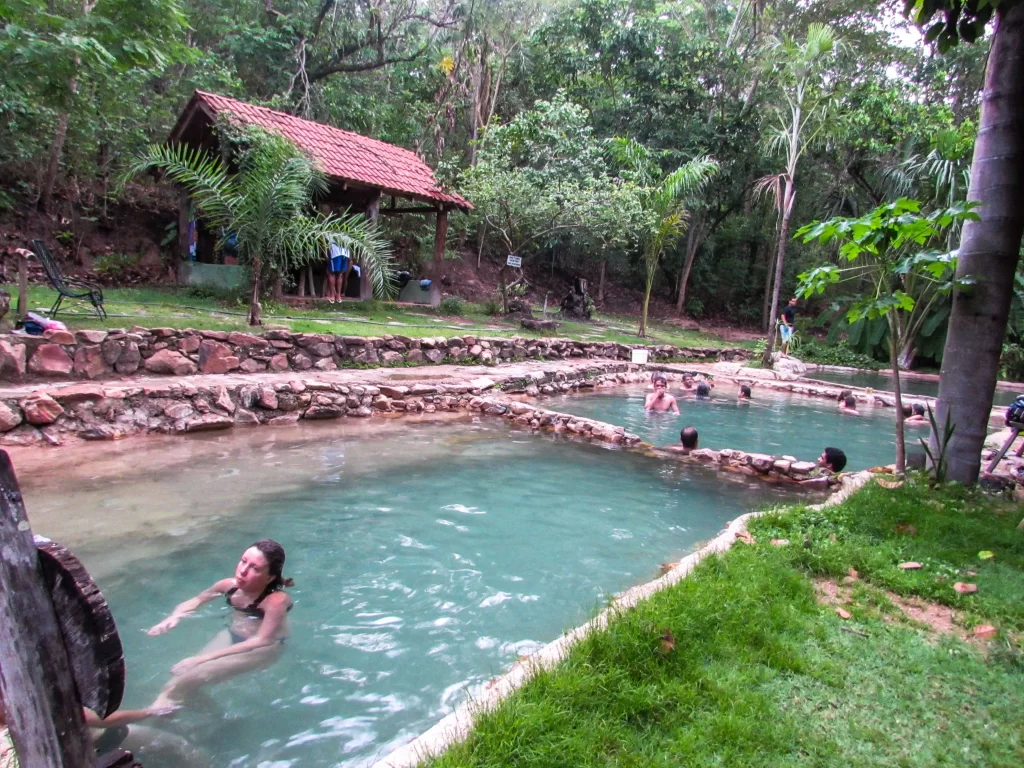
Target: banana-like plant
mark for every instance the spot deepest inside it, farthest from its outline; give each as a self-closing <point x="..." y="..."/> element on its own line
<point x="266" y="200"/>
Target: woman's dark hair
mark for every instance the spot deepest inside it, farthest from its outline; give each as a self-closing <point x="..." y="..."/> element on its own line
<point x="703" y="390"/>
<point x="849" y="402"/>
<point x="274" y="553"/>
<point x="908" y="411"/>
<point x="918" y="409"/>
<point x="843" y="395"/>
<point x="745" y="390"/>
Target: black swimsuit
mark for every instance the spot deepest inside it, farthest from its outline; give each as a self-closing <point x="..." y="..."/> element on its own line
<point x="252" y="610"/>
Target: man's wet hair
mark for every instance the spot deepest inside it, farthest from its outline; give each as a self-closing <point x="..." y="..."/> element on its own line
<point x="850" y="402"/>
<point x="908" y="411"/>
<point x="844" y="394"/>
<point x="703" y="390"/>
<point x="659" y="378"/>
<point x="918" y="409"/>
<point x="745" y="390"/>
<point x="688" y="437"/>
<point x="835" y="459"/>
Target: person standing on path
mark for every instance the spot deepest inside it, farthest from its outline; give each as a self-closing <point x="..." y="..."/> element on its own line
<point x="787" y="318"/>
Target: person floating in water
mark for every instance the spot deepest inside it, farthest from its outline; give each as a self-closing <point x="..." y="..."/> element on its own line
<point x="849" y="406"/>
<point x="832" y="459"/>
<point x="257" y="627"/>
<point x="745" y="393"/>
<point x="917" y="415"/>
<point x="660" y="400"/>
<point x="703" y="390"/>
<point x="688" y="441"/>
<point x="687" y="381"/>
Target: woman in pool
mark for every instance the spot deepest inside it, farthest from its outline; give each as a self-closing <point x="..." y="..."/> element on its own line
<point x="257" y="626"/>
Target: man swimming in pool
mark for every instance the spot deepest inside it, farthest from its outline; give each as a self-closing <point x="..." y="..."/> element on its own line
<point x="257" y="626"/>
<point x="687" y="442"/>
<point x="660" y="400"/>
<point x="832" y="459"/>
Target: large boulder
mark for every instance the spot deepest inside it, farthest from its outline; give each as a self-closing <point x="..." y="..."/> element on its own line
<point x="12" y="359"/>
<point x="170" y="363"/>
<point x="9" y="418"/>
<point x="788" y="368"/>
<point x="215" y="357"/>
<point x="40" y="409"/>
<point x="50" y="360"/>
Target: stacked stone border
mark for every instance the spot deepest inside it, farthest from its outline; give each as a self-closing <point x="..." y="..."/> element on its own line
<point x="456" y="727"/>
<point x="100" y="355"/>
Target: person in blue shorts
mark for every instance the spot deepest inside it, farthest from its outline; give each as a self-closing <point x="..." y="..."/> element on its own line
<point x="786" y="320"/>
<point x="339" y="264"/>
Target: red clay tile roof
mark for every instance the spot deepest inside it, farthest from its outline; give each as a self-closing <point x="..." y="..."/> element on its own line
<point x="343" y="154"/>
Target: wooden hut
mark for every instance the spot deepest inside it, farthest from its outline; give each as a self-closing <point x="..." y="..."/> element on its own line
<point x="364" y="174"/>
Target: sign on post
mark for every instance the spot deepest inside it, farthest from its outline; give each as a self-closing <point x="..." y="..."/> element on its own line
<point x="640" y="356"/>
<point x="514" y="261"/>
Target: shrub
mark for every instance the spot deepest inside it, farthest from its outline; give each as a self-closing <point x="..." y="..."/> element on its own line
<point x="491" y="306"/>
<point x="839" y="353"/>
<point x="1011" y="362"/>
<point x="450" y="305"/>
<point x="111" y="265"/>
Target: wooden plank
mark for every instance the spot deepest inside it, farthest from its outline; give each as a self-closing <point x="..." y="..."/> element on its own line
<point x="42" y="708"/>
<point x="22" y="286"/>
<point x="440" y="237"/>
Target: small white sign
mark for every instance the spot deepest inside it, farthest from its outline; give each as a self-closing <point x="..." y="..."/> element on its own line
<point x="640" y="356"/>
<point x="514" y="261"/>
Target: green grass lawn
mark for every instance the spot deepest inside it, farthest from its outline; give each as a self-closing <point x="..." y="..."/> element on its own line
<point x="183" y="308"/>
<point x="763" y="674"/>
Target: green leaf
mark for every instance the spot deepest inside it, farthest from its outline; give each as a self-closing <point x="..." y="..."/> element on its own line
<point x="986" y="554"/>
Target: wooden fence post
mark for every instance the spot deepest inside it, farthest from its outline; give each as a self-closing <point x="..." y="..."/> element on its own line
<point x="39" y="696"/>
<point x="22" y="286"/>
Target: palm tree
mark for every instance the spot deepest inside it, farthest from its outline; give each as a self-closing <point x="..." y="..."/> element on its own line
<point x="989" y="248"/>
<point x="799" y="68"/>
<point x="664" y="206"/>
<point x="268" y="206"/>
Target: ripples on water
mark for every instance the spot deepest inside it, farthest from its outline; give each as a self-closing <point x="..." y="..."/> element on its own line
<point x="426" y="559"/>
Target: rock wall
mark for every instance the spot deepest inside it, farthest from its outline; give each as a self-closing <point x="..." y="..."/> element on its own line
<point x="96" y="411"/>
<point x="100" y="355"/>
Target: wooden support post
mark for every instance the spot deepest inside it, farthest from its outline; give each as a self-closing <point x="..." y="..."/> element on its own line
<point x="440" y="236"/>
<point x="183" y="224"/>
<point x="22" y="286"/>
<point x="40" y="703"/>
<point x="365" y="285"/>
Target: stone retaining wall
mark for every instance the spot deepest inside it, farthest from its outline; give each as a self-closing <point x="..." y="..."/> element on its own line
<point x="95" y="355"/>
<point x="95" y="411"/>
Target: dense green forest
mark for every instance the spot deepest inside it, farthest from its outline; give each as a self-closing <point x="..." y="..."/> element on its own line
<point x="561" y="121"/>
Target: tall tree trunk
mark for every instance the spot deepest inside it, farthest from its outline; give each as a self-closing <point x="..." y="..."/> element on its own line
<point x="989" y="251"/>
<point x="692" y="244"/>
<point x="652" y="271"/>
<point x="894" y="341"/>
<point x="600" y="281"/>
<point x="56" y="149"/>
<point x="787" y="211"/>
<point x="768" y="282"/>
<point x="254" y="305"/>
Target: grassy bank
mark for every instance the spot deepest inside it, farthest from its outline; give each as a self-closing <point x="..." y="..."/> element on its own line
<point x="746" y="663"/>
<point x="181" y="308"/>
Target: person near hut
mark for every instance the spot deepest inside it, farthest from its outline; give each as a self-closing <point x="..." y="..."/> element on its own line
<point x="339" y="265"/>
<point x="660" y="401"/>
<point x="257" y="626"/>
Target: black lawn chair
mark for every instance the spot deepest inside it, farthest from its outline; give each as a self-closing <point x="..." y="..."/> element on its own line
<point x="68" y="287"/>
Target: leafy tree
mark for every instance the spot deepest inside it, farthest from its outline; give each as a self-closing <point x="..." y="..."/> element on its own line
<point x="663" y="201"/>
<point x="268" y="204"/>
<point x="51" y="45"/>
<point x="535" y="178"/>
<point x="799" y="122"/>
<point x="989" y="247"/>
<point x="894" y="271"/>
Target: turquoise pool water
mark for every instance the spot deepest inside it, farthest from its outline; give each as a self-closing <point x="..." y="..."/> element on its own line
<point x="774" y="422"/>
<point x="427" y="558"/>
<point x="883" y="383"/>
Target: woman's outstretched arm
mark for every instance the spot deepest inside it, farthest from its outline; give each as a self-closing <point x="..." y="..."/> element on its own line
<point x="275" y="607"/>
<point x="183" y="609"/>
